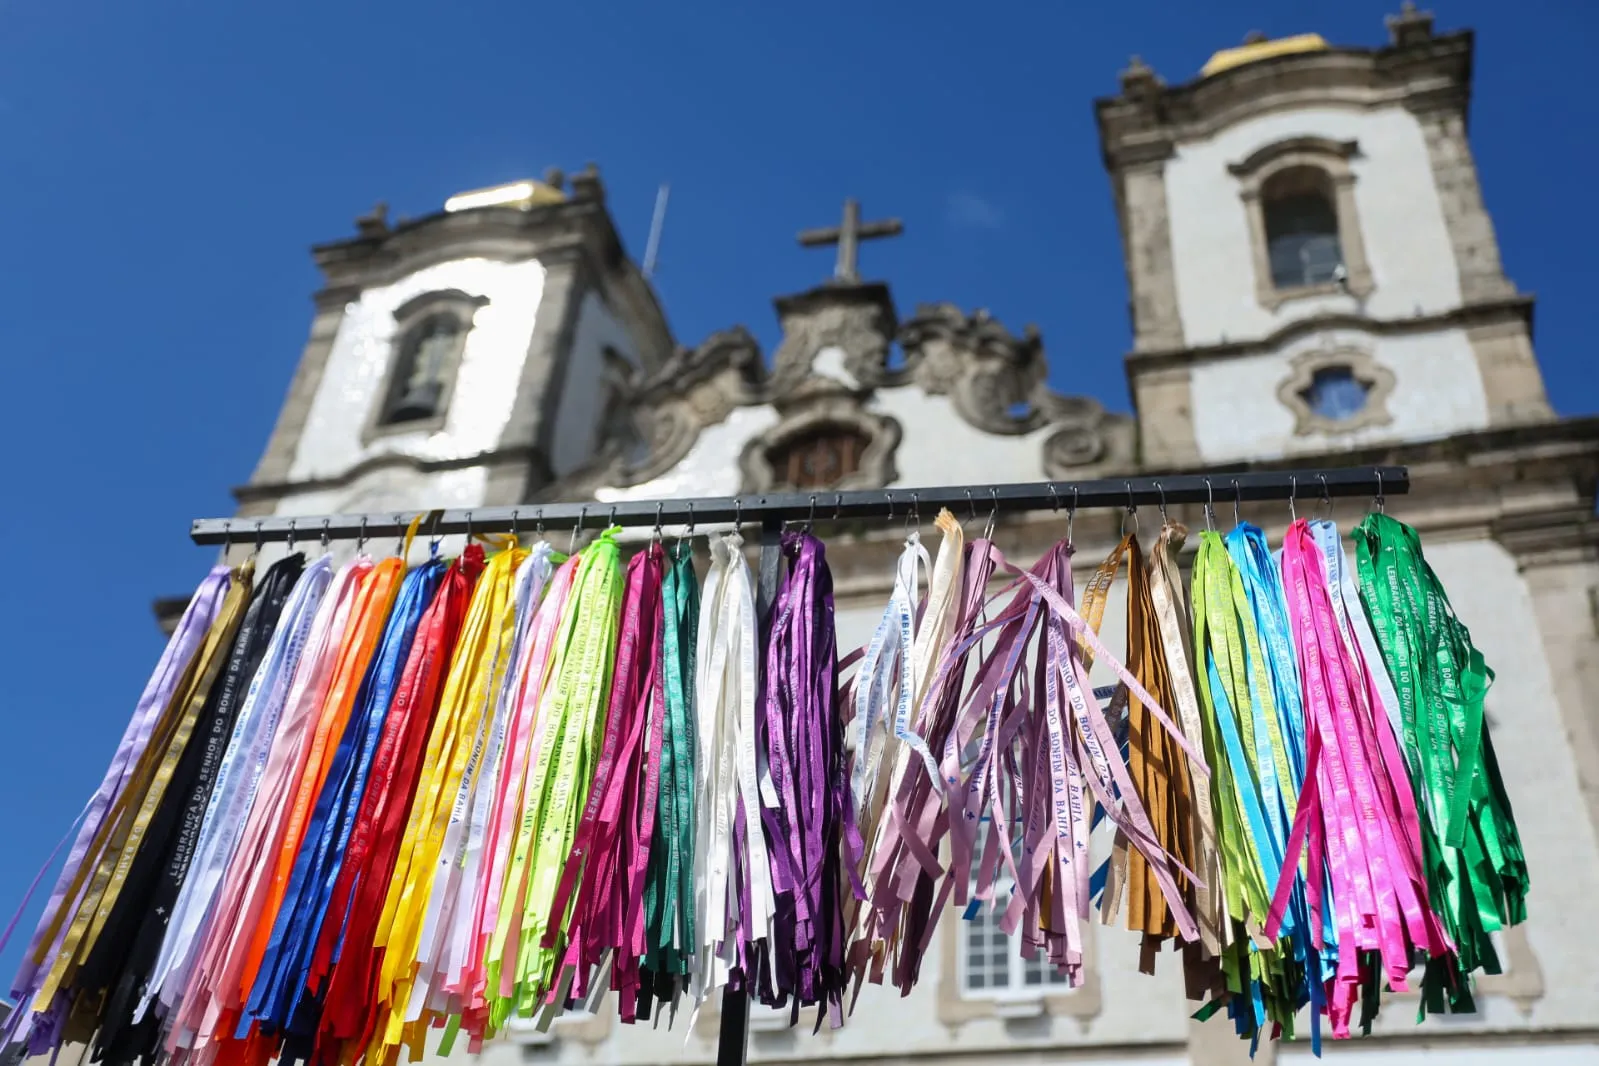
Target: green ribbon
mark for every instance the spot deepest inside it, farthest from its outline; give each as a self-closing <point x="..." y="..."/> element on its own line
<point x="669" y="889"/>
<point x="576" y="704"/>
<point x="1235" y="692"/>
<point x="1477" y="875"/>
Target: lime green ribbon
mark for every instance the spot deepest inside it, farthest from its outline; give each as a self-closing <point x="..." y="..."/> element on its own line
<point x="1242" y="738"/>
<point x="575" y="703"/>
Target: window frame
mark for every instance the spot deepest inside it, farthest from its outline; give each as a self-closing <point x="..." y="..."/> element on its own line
<point x="1016" y="990"/>
<point x="1332" y="159"/>
<point x="409" y="318"/>
<point x="1363" y="367"/>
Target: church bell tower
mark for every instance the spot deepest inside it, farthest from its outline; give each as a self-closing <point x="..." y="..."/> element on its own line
<point x="460" y="359"/>
<point x="1310" y="264"/>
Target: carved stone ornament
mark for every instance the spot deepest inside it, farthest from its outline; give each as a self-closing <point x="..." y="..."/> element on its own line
<point x="1377" y="380"/>
<point x="875" y="468"/>
<point x="994" y="379"/>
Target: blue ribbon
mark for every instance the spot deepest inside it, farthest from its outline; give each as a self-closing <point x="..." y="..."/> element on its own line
<point x="281" y="981"/>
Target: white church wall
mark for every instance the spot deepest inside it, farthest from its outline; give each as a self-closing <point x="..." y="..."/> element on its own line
<point x="480" y="404"/>
<point x="939" y="447"/>
<point x="1438" y="391"/>
<point x="1401" y="222"/>
<point x="711" y="466"/>
<point x="577" y="417"/>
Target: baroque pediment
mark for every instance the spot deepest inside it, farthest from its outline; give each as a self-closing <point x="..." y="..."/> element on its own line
<point x="837" y="354"/>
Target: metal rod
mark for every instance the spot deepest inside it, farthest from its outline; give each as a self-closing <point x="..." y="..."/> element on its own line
<point x="1306" y="485"/>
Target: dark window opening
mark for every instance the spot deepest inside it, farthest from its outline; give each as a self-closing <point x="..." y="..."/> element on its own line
<point x="420" y="377"/>
<point x="1301" y="229"/>
<point x="819" y="459"/>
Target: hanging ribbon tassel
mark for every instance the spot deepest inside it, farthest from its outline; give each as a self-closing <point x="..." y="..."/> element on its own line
<point x="558" y="784"/>
<point x="872" y="929"/>
<point x="733" y="877"/>
<point x="349" y="958"/>
<point x="239" y="897"/>
<point x="280" y="1000"/>
<point x="497" y="806"/>
<point x="174" y="831"/>
<point x="1158" y="768"/>
<point x="1353" y="801"/>
<point x="39" y="1031"/>
<point x="518" y="823"/>
<point x="611" y="845"/>
<point x="1476" y="870"/>
<point x="1170" y="604"/>
<point x="368" y="614"/>
<point x="98" y="888"/>
<point x="669" y="895"/>
<point x="426" y="876"/>
<point x="233" y="797"/>
<point x="804" y="795"/>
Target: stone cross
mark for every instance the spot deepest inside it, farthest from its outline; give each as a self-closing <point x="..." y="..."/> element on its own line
<point x="848" y="236"/>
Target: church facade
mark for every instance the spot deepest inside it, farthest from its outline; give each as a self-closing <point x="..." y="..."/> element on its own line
<point x="1314" y="279"/>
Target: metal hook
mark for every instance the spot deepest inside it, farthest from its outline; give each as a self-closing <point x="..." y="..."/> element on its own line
<point x="258" y="537"/>
<point x="1380" y="501"/>
<point x="227" y="537"/>
<point x="838" y="505"/>
<point x="810" y="517"/>
<point x="515" y="525"/>
<point x="1238" y="499"/>
<point x="582" y="513"/>
<point x="1054" y="498"/>
<point x="469" y="527"/>
<point x="289" y="540"/>
<point x="657" y="531"/>
<point x="1130" y="512"/>
<point x="1293" y="491"/>
<point x="738" y="514"/>
<point x="993" y="515"/>
<point x="1210" y="505"/>
<point x="1326" y="494"/>
<point x="433" y="534"/>
<point x="913" y="520"/>
<point x="324" y="538"/>
<point x="889" y="496"/>
<point x="611" y="518"/>
<point x="970" y="506"/>
<point x="1071" y="514"/>
<point x="690" y="530"/>
<point x="360" y="537"/>
<point x="1164" y="517"/>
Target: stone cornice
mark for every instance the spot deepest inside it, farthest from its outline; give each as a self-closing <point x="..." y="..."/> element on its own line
<point x="1141" y="123"/>
<point x="1476" y="313"/>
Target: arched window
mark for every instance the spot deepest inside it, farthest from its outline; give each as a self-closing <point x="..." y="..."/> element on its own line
<point x="418" y="384"/>
<point x="819" y="458"/>
<point x="1301" y="228"/>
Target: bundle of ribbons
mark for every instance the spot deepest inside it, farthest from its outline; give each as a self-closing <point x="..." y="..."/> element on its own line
<point x="357" y="803"/>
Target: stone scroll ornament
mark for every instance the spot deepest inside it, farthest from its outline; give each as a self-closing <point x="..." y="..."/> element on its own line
<point x="355" y="805"/>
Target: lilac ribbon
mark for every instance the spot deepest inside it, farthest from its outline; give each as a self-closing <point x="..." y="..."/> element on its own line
<point x="158" y="692"/>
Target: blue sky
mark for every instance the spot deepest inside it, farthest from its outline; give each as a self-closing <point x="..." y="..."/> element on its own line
<point x="164" y="166"/>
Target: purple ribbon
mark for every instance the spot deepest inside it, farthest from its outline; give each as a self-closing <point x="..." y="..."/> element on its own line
<point x="158" y="693"/>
